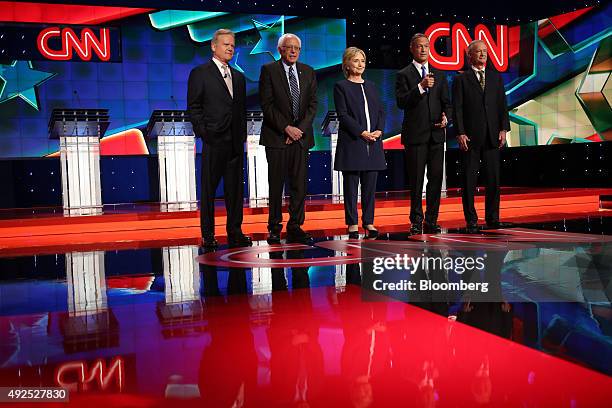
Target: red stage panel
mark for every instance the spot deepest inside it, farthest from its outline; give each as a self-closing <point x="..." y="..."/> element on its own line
<point x="18" y="12"/>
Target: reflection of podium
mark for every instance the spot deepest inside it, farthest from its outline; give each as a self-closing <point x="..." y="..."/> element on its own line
<point x="330" y="128"/>
<point x="176" y="155"/>
<point x="79" y="132"/>
<point x="182" y="287"/>
<point x="257" y="162"/>
<point x="89" y="324"/>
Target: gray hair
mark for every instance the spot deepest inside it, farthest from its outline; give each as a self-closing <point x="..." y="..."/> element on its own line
<point x="416" y="37"/>
<point x="222" y="31"/>
<point x="473" y="44"/>
<point x="286" y="36"/>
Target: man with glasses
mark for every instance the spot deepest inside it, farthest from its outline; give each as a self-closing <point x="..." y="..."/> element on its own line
<point x="288" y="92"/>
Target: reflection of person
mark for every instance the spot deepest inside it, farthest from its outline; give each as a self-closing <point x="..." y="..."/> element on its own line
<point x="481" y="119"/>
<point x="359" y="154"/>
<point x="296" y="357"/>
<point x="288" y="92"/>
<point x="216" y="101"/>
<point x="422" y="92"/>
<point x="228" y="368"/>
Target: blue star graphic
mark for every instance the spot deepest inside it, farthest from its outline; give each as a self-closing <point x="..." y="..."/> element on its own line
<point x="20" y="79"/>
<point x="269" y="35"/>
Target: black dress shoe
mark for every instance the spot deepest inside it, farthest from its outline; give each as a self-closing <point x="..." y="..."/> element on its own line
<point x="472" y="229"/>
<point x="353" y="234"/>
<point x="239" y="240"/>
<point x="209" y="241"/>
<point x="416" y="229"/>
<point x="499" y="224"/>
<point x="370" y="233"/>
<point x="273" y="238"/>
<point x="431" y="228"/>
<point x="299" y="236"/>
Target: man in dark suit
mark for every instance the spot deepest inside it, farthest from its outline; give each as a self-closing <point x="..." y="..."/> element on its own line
<point x="481" y="119"/>
<point x="422" y="93"/>
<point x="288" y="92"/>
<point x="216" y="101"/>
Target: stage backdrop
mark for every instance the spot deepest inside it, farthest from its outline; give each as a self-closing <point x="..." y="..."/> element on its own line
<point x="133" y="61"/>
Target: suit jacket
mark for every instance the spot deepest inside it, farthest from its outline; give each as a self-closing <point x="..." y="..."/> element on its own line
<point x="353" y="153"/>
<point x="217" y="118"/>
<point x="480" y="114"/>
<point x="276" y="104"/>
<point x="422" y="111"/>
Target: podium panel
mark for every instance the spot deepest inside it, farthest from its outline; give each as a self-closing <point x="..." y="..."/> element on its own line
<point x="258" y="172"/>
<point x="176" y="156"/>
<point x="79" y="132"/>
<point x="80" y="172"/>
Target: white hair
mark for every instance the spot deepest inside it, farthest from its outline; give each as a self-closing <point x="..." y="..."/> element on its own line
<point x="473" y="44"/>
<point x="286" y="36"/>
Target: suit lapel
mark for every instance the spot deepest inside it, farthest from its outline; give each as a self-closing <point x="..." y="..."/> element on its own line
<point x="217" y="74"/>
<point x="298" y="66"/>
<point x="415" y="73"/>
<point x="283" y="77"/>
<point x="234" y="83"/>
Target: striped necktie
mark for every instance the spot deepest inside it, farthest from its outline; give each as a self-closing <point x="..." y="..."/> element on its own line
<point x="295" y="94"/>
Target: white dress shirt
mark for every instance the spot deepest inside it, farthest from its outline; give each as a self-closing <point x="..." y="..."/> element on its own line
<point x="419" y="70"/>
<point x="295" y="72"/>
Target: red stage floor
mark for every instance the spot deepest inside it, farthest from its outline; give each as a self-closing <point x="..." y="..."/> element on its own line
<point x="295" y="325"/>
<point x="48" y="233"/>
<point x="309" y="347"/>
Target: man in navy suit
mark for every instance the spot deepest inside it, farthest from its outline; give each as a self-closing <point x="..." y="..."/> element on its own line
<point x="216" y="102"/>
<point x="422" y="93"/>
<point x="481" y="120"/>
<point x="288" y="92"/>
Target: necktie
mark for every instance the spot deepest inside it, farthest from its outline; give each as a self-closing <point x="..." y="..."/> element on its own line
<point x="423" y="74"/>
<point x="295" y="94"/>
<point x="228" y="80"/>
<point x="481" y="79"/>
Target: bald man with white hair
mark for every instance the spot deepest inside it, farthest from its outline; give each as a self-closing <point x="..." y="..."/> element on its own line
<point x="481" y="122"/>
<point x="288" y="92"/>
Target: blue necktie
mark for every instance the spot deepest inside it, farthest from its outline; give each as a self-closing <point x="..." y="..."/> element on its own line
<point x="423" y="74"/>
<point x="295" y="94"/>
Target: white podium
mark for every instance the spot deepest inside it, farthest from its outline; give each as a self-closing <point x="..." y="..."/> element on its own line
<point x="257" y="162"/>
<point x="330" y="128"/>
<point x="79" y="132"/>
<point x="176" y="156"/>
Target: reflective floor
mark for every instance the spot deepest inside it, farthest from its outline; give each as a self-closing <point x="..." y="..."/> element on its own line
<point x="307" y="326"/>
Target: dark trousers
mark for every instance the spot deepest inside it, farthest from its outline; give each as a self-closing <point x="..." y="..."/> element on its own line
<point x="350" y="183"/>
<point x="471" y="164"/>
<point x="418" y="157"/>
<point x="288" y="163"/>
<point x="222" y="161"/>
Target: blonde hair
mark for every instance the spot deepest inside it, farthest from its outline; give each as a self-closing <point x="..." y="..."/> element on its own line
<point x="348" y="55"/>
<point x="221" y="31"/>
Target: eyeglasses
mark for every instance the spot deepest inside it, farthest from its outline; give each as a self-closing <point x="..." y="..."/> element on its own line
<point x="291" y="47"/>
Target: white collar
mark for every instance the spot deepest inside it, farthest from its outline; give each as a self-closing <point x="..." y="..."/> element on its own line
<point x="479" y="70"/>
<point x="418" y="66"/>
<point x="219" y="64"/>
